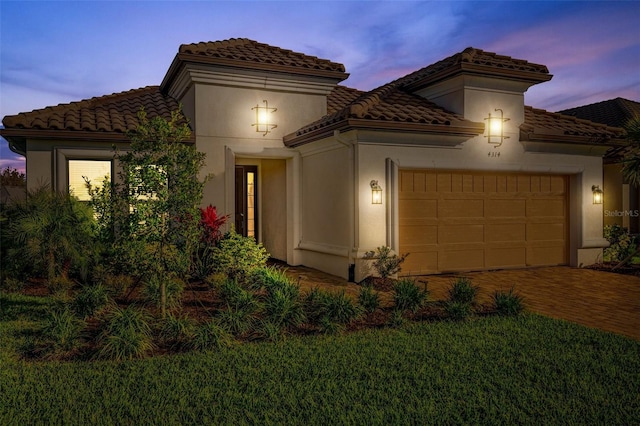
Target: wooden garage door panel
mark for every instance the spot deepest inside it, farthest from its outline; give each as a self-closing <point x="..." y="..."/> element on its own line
<point x="452" y="221"/>
<point x="505" y="257"/>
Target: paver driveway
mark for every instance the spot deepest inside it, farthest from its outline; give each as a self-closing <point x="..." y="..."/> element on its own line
<point x="597" y="299"/>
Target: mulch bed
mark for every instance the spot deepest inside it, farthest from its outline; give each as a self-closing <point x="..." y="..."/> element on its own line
<point x="624" y="270"/>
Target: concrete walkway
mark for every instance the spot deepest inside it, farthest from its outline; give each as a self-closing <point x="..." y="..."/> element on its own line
<point x="603" y="300"/>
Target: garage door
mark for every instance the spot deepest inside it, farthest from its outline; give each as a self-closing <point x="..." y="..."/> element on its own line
<point x="461" y="221"/>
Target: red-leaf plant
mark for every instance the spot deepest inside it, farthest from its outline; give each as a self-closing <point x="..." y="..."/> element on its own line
<point x="211" y="223"/>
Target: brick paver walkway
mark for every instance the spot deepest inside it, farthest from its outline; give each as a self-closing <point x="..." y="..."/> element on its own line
<point x="597" y="299"/>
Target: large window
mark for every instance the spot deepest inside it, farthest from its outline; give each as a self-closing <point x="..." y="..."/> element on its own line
<point x="93" y="170"/>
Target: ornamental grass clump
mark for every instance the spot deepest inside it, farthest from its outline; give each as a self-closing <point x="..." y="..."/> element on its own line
<point x="330" y="311"/>
<point x="173" y="289"/>
<point x="91" y="299"/>
<point x="407" y="296"/>
<point x="210" y="336"/>
<point x="282" y="305"/>
<point x="176" y="331"/>
<point x="508" y="303"/>
<point x="462" y="298"/>
<point x="368" y="299"/>
<point x="126" y="334"/>
<point x="62" y="331"/>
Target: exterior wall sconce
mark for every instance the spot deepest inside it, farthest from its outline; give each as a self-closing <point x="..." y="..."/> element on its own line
<point x="376" y="192"/>
<point x="495" y="129"/>
<point x="597" y="194"/>
<point x="263" y="124"/>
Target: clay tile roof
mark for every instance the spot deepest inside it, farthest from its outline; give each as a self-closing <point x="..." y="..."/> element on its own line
<point x="475" y="61"/>
<point x="614" y="112"/>
<point x="540" y="124"/>
<point x="386" y="107"/>
<point x="252" y="55"/>
<point x="111" y="115"/>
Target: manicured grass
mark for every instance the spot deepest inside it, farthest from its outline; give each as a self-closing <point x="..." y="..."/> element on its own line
<point x="496" y="370"/>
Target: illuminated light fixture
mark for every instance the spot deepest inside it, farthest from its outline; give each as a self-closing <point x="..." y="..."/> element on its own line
<point x="495" y="129"/>
<point x="376" y="193"/>
<point x="263" y="124"/>
<point x="597" y="194"/>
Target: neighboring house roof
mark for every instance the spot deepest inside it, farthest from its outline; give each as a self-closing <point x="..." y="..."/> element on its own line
<point x="613" y="112"/>
<point x="249" y="54"/>
<point x="541" y="125"/>
<point x="103" y="118"/>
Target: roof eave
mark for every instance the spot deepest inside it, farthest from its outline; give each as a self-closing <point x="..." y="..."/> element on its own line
<point x="293" y="140"/>
<point x="599" y="140"/>
<point x="18" y="135"/>
<point x="529" y="77"/>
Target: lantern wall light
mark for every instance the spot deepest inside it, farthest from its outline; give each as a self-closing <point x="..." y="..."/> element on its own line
<point x="264" y="123"/>
<point x="495" y="128"/>
<point x="597" y="194"/>
<point x="376" y="192"/>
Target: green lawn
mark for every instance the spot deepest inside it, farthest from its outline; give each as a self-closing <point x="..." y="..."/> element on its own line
<point x="527" y="370"/>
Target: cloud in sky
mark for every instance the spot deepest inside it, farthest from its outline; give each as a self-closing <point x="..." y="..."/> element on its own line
<point x="58" y="52"/>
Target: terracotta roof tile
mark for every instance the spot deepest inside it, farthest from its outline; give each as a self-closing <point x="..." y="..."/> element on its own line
<point x="474" y="60"/>
<point x="555" y="126"/>
<point x="613" y="112"/>
<point x="243" y="49"/>
<point x="386" y="104"/>
<point x="111" y="113"/>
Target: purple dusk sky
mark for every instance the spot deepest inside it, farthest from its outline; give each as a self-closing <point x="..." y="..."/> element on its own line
<point x="58" y="52"/>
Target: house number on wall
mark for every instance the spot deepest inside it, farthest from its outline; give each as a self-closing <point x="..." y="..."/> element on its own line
<point x="493" y="154"/>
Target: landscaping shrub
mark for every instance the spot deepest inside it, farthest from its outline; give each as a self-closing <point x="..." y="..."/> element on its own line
<point x="270" y="331"/>
<point x="385" y="263"/>
<point x="329" y="309"/>
<point x="238" y="256"/>
<point x="203" y="262"/>
<point x="59" y="285"/>
<point x="236" y="297"/>
<point x="283" y="306"/>
<point x="238" y="321"/>
<point x="48" y="235"/>
<point x="176" y="331"/>
<point x="210" y="335"/>
<point x="11" y="284"/>
<point x="456" y="310"/>
<point x="462" y="291"/>
<point x="90" y="299"/>
<point x="407" y="296"/>
<point x="118" y="284"/>
<point x="62" y="331"/>
<point x="396" y="319"/>
<point x="125" y="335"/>
<point x="267" y="277"/>
<point x="621" y="243"/>
<point x="508" y="303"/>
<point x="174" y="288"/>
<point x="368" y="299"/>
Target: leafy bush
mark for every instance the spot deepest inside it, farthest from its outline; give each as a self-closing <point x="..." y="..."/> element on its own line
<point x="621" y="243"/>
<point x="457" y="310"/>
<point x="126" y="334"/>
<point x="508" y="303"/>
<point x="368" y="299"/>
<point x="173" y="291"/>
<point x="407" y="296"/>
<point x="62" y="330"/>
<point x="49" y="234"/>
<point x="385" y="263"/>
<point x="238" y="256"/>
<point x="210" y="336"/>
<point x="90" y="299"/>
<point x="462" y="291"/>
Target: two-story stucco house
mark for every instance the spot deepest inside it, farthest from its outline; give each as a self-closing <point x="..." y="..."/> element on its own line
<point x="470" y="177"/>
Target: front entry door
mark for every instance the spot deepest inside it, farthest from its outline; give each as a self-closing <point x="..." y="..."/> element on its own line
<point x="246" y="219"/>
